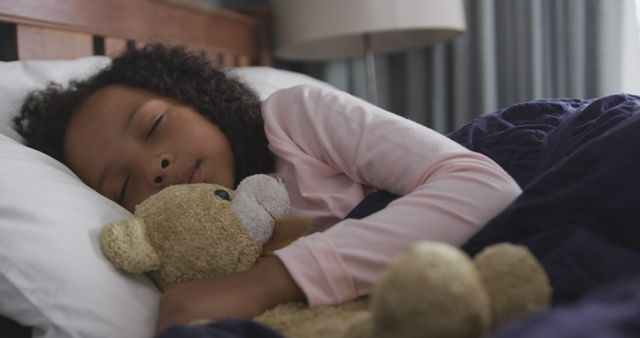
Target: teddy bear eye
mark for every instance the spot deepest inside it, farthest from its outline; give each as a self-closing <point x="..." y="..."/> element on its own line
<point x="222" y="194"/>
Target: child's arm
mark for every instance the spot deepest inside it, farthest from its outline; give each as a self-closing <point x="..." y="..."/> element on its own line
<point x="332" y="148"/>
<point x="244" y="294"/>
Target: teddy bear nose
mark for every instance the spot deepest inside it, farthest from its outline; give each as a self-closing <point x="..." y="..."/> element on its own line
<point x="222" y="194"/>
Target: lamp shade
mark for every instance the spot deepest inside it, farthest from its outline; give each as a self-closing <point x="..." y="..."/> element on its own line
<point x="329" y="29"/>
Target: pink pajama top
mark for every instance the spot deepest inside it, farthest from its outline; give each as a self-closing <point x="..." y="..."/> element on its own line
<point x="333" y="149"/>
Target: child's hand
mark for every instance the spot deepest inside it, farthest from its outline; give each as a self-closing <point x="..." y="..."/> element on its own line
<point x="244" y="294"/>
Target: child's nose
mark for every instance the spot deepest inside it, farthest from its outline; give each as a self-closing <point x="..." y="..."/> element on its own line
<point x="160" y="176"/>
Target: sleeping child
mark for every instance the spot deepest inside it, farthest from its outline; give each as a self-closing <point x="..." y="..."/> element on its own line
<point x="159" y="116"/>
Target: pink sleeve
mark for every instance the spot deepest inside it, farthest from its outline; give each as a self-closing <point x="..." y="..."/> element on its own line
<point x="448" y="192"/>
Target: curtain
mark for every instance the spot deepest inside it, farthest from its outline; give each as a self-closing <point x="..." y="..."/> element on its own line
<point x="512" y="51"/>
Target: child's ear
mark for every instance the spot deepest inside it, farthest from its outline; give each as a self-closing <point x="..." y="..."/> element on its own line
<point x="286" y="230"/>
<point x="125" y="244"/>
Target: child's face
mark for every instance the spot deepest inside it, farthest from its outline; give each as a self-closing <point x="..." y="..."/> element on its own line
<point x="128" y="143"/>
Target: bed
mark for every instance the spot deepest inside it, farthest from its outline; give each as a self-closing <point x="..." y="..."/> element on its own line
<point x="577" y="161"/>
<point x="53" y="279"/>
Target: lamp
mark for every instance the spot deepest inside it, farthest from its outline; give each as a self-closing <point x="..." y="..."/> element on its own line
<point x="314" y="30"/>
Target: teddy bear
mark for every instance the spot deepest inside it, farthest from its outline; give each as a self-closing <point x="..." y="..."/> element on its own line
<point x="196" y="231"/>
<point x="187" y="232"/>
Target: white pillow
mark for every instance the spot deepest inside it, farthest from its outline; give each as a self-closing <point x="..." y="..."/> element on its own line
<point x="266" y="80"/>
<point x="53" y="275"/>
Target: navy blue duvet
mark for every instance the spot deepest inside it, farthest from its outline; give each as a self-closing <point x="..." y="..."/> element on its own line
<point x="578" y="163"/>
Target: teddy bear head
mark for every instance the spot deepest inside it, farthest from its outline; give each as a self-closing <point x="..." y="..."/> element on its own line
<point x="195" y="231"/>
<point x="436" y="290"/>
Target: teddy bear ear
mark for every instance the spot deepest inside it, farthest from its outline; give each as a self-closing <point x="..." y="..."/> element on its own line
<point x="516" y="282"/>
<point x="125" y="244"/>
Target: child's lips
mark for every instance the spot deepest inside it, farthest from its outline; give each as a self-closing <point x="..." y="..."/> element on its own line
<point x="194" y="175"/>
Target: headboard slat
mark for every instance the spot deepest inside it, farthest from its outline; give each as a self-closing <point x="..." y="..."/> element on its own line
<point x="45" y="43"/>
<point x="243" y="61"/>
<point x="113" y="46"/>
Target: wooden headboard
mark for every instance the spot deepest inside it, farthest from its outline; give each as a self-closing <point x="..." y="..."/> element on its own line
<point x="58" y="29"/>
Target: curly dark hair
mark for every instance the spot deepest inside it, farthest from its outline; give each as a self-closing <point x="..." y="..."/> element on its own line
<point x="173" y="72"/>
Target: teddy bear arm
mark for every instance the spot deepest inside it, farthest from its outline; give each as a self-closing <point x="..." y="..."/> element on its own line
<point x="286" y="230"/>
<point x="126" y="245"/>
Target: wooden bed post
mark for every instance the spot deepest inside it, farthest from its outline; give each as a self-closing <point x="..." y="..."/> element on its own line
<point x="264" y="31"/>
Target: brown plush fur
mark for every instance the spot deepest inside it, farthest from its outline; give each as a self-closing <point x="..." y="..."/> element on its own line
<point x="515" y="282"/>
<point x="297" y="320"/>
<point x="436" y="274"/>
<point x="193" y="233"/>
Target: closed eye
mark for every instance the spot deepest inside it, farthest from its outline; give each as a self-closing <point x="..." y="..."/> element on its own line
<point x="154" y="126"/>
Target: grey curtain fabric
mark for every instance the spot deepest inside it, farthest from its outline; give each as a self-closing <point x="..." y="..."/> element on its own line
<point x="512" y="51"/>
